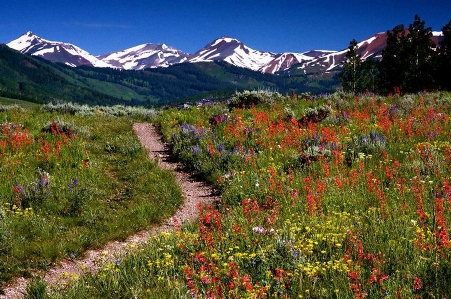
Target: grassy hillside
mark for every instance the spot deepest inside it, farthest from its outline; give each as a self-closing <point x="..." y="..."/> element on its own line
<point x="7" y="102"/>
<point x="37" y="80"/>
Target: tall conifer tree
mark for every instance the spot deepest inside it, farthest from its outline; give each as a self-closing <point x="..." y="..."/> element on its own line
<point x="444" y="58"/>
<point x="420" y="51"/>
<point x="394" y="60"/>
<point x="408" y="59"/>
<point x="350" y="75"/>
<point x="358" y="75"/>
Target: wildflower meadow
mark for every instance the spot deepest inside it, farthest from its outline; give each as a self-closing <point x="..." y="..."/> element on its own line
<point x="328" y="196"/>
<point x="72" y="180"/>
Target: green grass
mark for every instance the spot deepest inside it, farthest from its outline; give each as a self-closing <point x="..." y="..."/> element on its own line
<point x="79" y="192"/>
<point x="352" y="205"/>
<point x="24" y="104"/>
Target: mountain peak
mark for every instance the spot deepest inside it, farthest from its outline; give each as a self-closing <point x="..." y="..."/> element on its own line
<point x="29" y="43"/>
<point x="144" y="56"/>
<point x="23" y="42"/>
<point x="234" y="52"/>
<point x="226" y="37"/>
<point x="224" y="40"/>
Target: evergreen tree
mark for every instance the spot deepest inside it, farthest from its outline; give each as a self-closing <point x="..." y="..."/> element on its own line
<point x="350" y="76"/>
<point x="357" y="75"/>
<point x="370" y="75"/>
<point x="394" y="59"/>
<point x="421" y="57"/>
<point x="408" y="59"/>
<point x="444" y="59"/>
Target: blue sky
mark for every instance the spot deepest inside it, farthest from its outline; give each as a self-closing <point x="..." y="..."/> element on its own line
<point x="277" y="26"/>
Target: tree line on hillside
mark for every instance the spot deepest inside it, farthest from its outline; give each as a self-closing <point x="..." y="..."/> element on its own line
<point x="194" y="81"/>
<point x="411" y="62"/>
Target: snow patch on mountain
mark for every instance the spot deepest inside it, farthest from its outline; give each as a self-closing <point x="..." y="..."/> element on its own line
<point x="332" y="61"/>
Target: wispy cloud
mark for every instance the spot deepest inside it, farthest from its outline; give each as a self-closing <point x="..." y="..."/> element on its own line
<point x="99" y="25"/>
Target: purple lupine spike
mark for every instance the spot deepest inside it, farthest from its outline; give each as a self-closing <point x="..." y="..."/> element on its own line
<point x="21" y="189"/>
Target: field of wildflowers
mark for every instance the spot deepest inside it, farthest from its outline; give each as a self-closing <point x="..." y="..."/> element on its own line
<point x="69" y="182"/>
<point x="331" y="196"/>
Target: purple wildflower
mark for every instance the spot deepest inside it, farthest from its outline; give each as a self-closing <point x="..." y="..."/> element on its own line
<point x="71" y="185"/>
<point x="21" y="189"/>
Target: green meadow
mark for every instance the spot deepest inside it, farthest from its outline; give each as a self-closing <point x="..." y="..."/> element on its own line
<point x="331" y="196"/>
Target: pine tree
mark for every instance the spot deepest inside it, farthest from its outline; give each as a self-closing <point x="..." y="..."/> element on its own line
<point x="408" y="59"/>
<point x="352" y="65"/>
<point x="420" y="50"/>
<point x="394" y="59"/>
<point x="370" y="75"/>
<point x="444" y="59"/>
<point x="358" y="76"/>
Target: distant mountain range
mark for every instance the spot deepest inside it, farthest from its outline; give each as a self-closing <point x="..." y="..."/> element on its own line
<point x="159" y="55"/>
<point x="225" y="49"/>
<point x="40" y="70"/>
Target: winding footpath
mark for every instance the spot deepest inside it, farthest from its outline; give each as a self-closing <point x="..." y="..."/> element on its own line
<point x="194" y="192"/>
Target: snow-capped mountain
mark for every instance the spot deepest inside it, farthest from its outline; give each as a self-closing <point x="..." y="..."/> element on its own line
<point x="159" y="55"/>
<point x="150" y="55"/>
<point x="371" y="47"/>
<point x="144" y="56"/>
<point x="69" y="54"/>
<point x="225" y="48"/>
<point x="285" y="61"/>
<point x="234" y="52"/>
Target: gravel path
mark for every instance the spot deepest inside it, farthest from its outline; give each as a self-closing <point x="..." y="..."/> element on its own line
<point x="194" y="192"/>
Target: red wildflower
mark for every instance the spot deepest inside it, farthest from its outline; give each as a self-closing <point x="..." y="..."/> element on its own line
<point x="417" y="284"/>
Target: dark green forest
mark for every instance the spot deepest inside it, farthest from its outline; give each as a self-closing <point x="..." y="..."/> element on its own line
<point x="411" y="62"/>
<point x="38" y="80"/>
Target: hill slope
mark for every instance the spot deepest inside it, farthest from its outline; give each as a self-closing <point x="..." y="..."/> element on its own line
<point x="38" y="80"/>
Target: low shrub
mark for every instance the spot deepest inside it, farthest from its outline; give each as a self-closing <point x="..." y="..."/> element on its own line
<point x="255" y="97"/>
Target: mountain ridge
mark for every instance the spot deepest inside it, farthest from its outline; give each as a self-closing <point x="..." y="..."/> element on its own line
<point x="151" y="55"/>
<point x="225" y="48"/>
<point x="55" y="51"/>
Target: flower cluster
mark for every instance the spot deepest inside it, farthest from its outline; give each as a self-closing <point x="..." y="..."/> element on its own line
<point x="353" y="174"/>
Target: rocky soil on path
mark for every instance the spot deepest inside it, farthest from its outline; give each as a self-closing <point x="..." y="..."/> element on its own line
<point x="194" y="192"/>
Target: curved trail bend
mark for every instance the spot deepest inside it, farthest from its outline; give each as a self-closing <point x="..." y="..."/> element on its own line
<point x="193" y="190"/>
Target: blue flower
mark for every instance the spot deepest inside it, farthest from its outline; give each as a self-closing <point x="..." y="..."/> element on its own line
<point x="21" y="189"/>
<point x="44" y="180"/>
<point x="195" y="149"/>
<point x="72" y="185"/>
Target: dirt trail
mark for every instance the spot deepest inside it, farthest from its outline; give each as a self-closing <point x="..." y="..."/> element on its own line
<point x="194" y="192"/>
